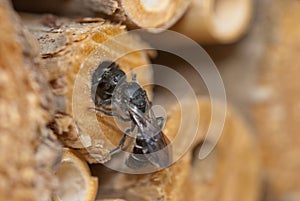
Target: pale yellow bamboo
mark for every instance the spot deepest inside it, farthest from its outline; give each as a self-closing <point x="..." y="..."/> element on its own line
<point x="216" y="21"/>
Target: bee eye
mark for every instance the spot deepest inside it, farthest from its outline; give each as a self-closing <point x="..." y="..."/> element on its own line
<point x="105" y="75"/>
<point x="116" y="79"/>
<point x="106" y="86"/>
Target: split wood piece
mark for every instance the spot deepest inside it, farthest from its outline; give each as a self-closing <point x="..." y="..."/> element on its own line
<point x="276" y="111"/>
<point x="71" y="51"/>
<point x="28" y="150"/>
<point x="75" y="180"/>
<point x="223" y="175"/>
<point x="216" y="21"/>
<point x="135" y="13"/>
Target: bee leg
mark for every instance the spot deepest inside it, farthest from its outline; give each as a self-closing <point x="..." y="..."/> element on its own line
<point x="123" y="139"/>
<point x="115" y="150"/>
<point x="111" y="113"/>
<point x="104" y="102"/>
<point x="120" y="146"/>
<point x="160" y="122"/>
<point x="133" y="77"/>
<point x="136" y="112"/>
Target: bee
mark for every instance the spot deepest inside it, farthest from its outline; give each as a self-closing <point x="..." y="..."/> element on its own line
<point x="110" y="88"/>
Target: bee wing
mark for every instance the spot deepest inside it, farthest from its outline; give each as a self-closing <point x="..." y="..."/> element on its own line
<point x="147" y="124"/>
<point x="159" y="150"/>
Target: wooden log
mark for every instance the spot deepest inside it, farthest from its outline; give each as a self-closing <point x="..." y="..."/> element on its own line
<point x="71" y="51"/>
<point x="276" y="110"/>
<point x="28" y="150"/>
<point x="135" y="13"/>
<point x="221" y="176"/>
<point x="214" y="22"/>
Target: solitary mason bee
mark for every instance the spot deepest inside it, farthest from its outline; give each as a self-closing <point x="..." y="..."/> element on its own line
<point x="110" y="88"/>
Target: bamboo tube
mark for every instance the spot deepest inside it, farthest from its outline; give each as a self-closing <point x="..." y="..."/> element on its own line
<point x="75" y="180"/>
<point x="28" y="150"/>
<point x="163" y="185"/>
<point x="135" y="13"/>
<point x="71" y="51"/>
<point x="221" y="176"/>
<point x="216" y="21"/>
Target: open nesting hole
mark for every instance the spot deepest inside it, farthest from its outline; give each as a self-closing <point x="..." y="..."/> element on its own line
<point x="155" y="5"/>
<point x="72" y="185"/>
<point x="230" y="16"/>
<point x="180" y="67"/>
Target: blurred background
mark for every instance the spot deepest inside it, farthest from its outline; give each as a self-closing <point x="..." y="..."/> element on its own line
<point x="260" y="73"/>
<point x="255" y="45"/>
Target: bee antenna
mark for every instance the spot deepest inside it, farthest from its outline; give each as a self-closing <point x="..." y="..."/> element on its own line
<point x="134" y="77"/>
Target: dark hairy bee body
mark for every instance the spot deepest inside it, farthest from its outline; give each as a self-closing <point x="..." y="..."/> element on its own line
<point x="110" y="89"/>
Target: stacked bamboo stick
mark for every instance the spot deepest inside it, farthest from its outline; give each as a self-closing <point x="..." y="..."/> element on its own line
<point x="205" y="21"/>
<point x="69" y="52"/>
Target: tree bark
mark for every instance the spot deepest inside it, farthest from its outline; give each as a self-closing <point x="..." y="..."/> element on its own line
<point x="28" y="150"/>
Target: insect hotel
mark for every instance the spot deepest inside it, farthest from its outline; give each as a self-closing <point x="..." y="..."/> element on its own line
<point x="149" y="100"/>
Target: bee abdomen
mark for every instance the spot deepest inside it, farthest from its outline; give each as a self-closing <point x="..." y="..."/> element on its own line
<point x="136" y="161"/>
